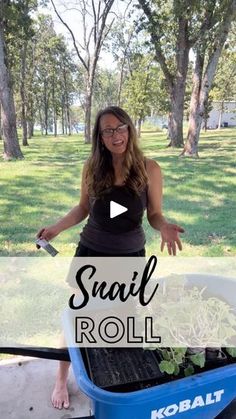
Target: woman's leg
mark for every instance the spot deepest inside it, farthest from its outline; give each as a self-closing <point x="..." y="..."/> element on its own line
<point x="60" y="396"/>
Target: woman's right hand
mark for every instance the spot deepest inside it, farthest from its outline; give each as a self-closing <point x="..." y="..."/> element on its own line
<point x="48" y="233"/>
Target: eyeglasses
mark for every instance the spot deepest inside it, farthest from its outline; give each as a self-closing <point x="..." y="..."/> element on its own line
<point x="109" y="132"/>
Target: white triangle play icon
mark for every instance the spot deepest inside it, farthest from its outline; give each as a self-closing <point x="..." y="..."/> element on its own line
<point x="116" y="209"/>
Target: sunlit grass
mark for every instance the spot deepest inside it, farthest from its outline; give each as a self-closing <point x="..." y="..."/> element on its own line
<point x="199" y="194"/>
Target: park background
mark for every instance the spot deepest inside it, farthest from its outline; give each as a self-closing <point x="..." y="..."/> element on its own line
<point x="167" y="63"/>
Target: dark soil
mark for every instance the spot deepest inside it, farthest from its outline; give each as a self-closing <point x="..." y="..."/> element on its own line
<point x="131" y="369"/>
<point x="125" y="369"/>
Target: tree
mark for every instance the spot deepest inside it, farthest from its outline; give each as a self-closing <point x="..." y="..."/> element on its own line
<point x="8" y="115"/>
<point x="77" y="118"/>
<point x="105" y="89"/>
<point x="19" y="31"/>
<point x="26" y="33"/>
<point x="122" y="38"/>
<point x="207" y="109"/>
<point x="168" y="25"/>
<point x="51" y="77"/>
<point x="174" y="27"/>
<point x="224" y="87"/>
<point x="138" y="89"/>
<point x="94" y="32"/>
<point x="208" y="50"/>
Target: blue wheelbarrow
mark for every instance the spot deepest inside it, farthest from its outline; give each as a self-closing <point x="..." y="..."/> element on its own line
<point x="204" y="395"/>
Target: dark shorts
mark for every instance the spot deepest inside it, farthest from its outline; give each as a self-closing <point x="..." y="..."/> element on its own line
<point x="85" y="251"/>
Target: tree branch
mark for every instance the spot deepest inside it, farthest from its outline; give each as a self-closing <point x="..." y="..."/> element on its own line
<point x="72" y="35"/>
<point x="207" y="24"/>
<point x="156" y="41"/>
<point x="95" y="22"/>
<point x="218" y="44"/>
<point x="100" y="38"/>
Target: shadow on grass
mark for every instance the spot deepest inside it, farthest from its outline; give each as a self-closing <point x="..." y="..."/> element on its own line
<point x="199" y="194"/>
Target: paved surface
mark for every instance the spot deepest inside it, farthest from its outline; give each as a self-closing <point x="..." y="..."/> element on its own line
<point x="25" y="389"/>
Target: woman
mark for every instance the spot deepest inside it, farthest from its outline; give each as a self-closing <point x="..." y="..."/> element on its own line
<point x="116" y="171"/>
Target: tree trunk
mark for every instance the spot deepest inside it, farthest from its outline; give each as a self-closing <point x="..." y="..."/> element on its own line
<point x="203" y="81"/>
<point x="40" y="116"/>
<point x="45" y="99"/>
<point x="177" y="86"/>
<point x="175" y="80"/>
<point x="67" y="105"/>
<point x="23" y="95"/>
<point x="31" y="97"/>
<point x="195" y="117"/>
<point x="139" y="127"/>
<point x="120" y="82"/>
<point x="30" y="128"/>
<point x="55" y="122"/>
<point x="68" y="117"/>
<point x="8" y="122"/>
<point x="121" y="79"/>
<point x="54" y="108"/>
<point x="89" y="96"/>
<point x="0" y="121"/>
<point x="88" y="106"/>
<point x="30" y="117"/>
<point x="175" y="120"/>
<point x="65" y="121"/>
<point x="62" y="114"/>
<point x="220" y="114"/>
<point x="98" y="33"/>
<point x="87" y="128"/>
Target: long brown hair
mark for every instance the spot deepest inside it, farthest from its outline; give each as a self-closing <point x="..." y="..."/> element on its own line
<point x="100" y="173"/>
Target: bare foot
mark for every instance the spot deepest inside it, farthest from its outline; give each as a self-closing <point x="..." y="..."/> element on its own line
<point x="60" y="396"/>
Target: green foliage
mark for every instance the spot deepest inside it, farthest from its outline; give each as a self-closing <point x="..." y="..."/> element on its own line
<point x="231" y="351"/>
<point x="145" y="89"/>
<point x="184" y="315"/>
<point x="48" y="77"/>
<point x="167" y="21"/>
<point x="18" y="26"/>
<point x="49" y="80"/>
<point x="18" y="20"/>
<point x="172" y="359"/>
<point x="136" y="91"/>
<point x="122" y="41"/>
<point x="189" y="370"/>
<point x="105" y="89"/>
<point x="224" y="88"/>
<point x="54" y="69"/>
<point x="76" y="115"/>
<point x="198" y="359"/>
<point x="176" y="358"/>
<point x="209" y="319"/>
<point x="167" y="366"/>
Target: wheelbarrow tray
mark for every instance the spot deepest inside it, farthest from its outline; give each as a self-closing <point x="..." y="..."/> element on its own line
<point x="204" y="395"/>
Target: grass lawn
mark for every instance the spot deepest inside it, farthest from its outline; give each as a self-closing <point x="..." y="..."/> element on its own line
<point x="199" y="194"/>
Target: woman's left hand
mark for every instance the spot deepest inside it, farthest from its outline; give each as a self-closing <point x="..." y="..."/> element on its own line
<point x="170" y="237"/>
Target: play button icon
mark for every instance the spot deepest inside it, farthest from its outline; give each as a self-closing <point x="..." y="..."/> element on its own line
<point x="116" y="209"/>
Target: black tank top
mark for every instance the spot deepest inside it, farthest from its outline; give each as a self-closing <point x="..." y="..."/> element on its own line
<point x="121" y="234"/>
